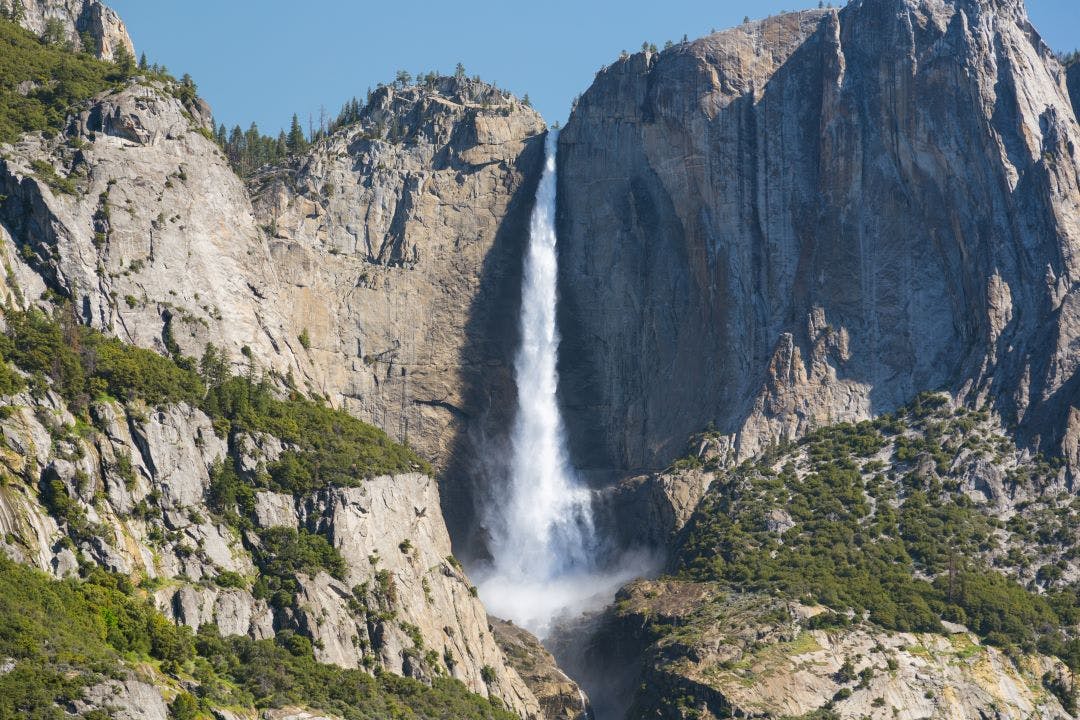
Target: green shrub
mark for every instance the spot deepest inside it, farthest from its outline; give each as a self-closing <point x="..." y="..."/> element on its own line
<point x="130" y="372"/>
<point x="47" y="174"/>
<point x="11" y="382"/>
<point x="60" y="79"/>
<point x="184" y="707"/>
<point x="282" y="553"/>
<point x="83" y="364"/>
<point x="332" y="447"/>
<point x="229" y="579"/>
<point x="851" y="554"/>
<point x="65" y="635"/>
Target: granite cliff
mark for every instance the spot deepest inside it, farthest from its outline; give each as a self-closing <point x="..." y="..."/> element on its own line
<point x="82" y="22"/>
<point x="813" y="217"/>
<point x="801" y="221"/>
<point x="132" y="222"/>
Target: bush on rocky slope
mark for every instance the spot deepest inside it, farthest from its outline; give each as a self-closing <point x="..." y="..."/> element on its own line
<point x="872" y="518"/>
<point x="63" y="636"/>
<point x="326" y="446"/>
<point x="40" y="82"/>
<point x="82" y="364"/>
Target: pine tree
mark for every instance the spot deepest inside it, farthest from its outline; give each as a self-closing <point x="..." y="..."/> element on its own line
<point x="296" y="143"/>
<point x="124" y="60"/>
<point x="187" y="90"/>
<point x="235" y="149"/>
<point x="55" y="32"/>
<point x="214" y="366"/>
<point x="459" y="72"/>
<point x="253" y="158"/>
<point x="144" y="64"/>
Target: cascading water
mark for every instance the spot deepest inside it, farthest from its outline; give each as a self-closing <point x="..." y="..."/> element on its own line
<point x="543" y="543"/>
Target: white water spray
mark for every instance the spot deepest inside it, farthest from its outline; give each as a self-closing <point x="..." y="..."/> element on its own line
<point x="543" y="545"/>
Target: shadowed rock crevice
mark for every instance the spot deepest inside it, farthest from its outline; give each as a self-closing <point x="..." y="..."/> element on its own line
<point x="479" y="453"/>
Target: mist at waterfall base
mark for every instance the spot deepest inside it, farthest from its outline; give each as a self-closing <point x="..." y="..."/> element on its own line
<point x="546" y="554"/>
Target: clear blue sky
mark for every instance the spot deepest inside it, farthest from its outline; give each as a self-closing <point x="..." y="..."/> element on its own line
<point x="263" y="60"/>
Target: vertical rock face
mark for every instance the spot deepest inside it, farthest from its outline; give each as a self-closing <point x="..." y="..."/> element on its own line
<point x="813" y="217"/>
<point x="1073" y="72"/>
<point x="560" y="697"/>
<point x="81" y="20"/>
<point x="397" y="240"/>
<point x="398" y="245"/>
<point x="155" y="242"/>
<point x="392" y="537"/>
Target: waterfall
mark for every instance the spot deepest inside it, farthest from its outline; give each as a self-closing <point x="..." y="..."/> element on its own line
<point x="543" y="543"/>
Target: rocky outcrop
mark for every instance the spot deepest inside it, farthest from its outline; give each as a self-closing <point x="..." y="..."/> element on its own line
<point x="646" y="512"/>
<point x="559" y="696"/>
<point x="813" y="217"/>
<point x="139" y="483"/>
<point x="395" y="544"/>
<point x="726" y="659"/>
<point x="128" y="700"/>
<point x="398" y="242"/>
<point x="155" y="242"/>
<point x="81" y="21"/>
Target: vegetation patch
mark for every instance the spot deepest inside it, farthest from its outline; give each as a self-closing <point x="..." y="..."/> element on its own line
<point x="283" y="553"/>
<point x="897" y="542"/>
<point x="82" y="364"/>
<point x="64" y="636"/>
<point x="326" y="446"/>
<point x="42" y="81"/>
